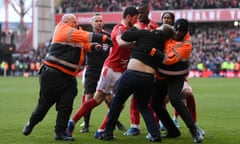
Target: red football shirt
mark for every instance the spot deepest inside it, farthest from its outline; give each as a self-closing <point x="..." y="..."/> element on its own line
<point x="150" y="26"/>
<point x="118" y="57"/>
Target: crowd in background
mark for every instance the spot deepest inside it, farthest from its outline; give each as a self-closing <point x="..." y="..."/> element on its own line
<point x="73" y="6"/>
<point x="25" y="64"/>
<point x="216" y="46"/>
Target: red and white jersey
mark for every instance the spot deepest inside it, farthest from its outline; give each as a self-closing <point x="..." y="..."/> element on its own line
<point x="118" y="57"/>
<point x="150" y="26"/>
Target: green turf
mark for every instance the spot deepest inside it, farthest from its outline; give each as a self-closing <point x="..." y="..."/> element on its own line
<point x="218" y="107"/>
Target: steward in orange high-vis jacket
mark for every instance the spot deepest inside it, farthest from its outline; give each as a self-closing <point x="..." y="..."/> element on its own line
<point x="171" y="75"/>
<point x="67" y="50"/>
<point x="174" y="58"/>
<point x="175" y="61"/>
<point x="58" y="84"/>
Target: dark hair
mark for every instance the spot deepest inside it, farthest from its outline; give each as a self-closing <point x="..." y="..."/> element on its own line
<point x="130" y="11"/>
<point x="181" y="25"/>
<point x="170" y="13"/>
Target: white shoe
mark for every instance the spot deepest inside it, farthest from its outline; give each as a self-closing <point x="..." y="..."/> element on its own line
<point x="82" y="124"/>
<point x="201" y="131"/>
<point x="161" y="126"/>
<point x="175" y="121"/>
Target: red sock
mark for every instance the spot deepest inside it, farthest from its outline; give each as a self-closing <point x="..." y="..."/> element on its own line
<point x="175" y="113"/>
<point x="192" y="107"/>
<point x="85" y="108"/>
<point x="134" y="112"/>
<point x="104" y="122"/>
<point x="83" y="98"/>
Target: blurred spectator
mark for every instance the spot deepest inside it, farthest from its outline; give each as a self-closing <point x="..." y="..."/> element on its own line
<point x="213" y="46"/>
<point x="69" y="6"/>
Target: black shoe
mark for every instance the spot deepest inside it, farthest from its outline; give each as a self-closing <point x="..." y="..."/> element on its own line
<point x="120" y="126"/>
<point x="197" y="135"/>
<point x="27" y="129"/>
<point x="63" y="136"/>
<point x="172" y="134"/>
<point x="106" y="136"/>
<point x="154" y="139"/>
<point x="84" y="130"/>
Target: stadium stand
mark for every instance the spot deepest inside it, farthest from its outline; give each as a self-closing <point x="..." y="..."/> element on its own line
<point x="74" y="6"/>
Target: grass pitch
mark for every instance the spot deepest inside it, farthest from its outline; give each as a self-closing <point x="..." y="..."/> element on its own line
<point x="218" y="106"/>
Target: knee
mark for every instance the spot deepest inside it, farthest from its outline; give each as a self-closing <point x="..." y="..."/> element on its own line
<point x="99" y="97"/>
<point x="187" y="93"/>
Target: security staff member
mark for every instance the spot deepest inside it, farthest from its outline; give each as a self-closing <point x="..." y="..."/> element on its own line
<point x="62" y="63"/>
<point x="171" y="75"/>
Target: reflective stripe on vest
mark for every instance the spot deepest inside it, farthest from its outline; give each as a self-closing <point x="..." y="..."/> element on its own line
<point x="69" y="35"/>
<point x="69" y="44"/>
<point x="60" y="68"/>
<point x="65" y="63"/>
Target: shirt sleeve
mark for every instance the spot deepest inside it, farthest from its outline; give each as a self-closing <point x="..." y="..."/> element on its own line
<point x="179" y="52"/>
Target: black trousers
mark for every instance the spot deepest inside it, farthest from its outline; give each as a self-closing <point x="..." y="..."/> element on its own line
<point x="140" y="84"/>
<point x="55" y="88"/>
<point x="172" y="87"/>
<point x="91" y="77"/>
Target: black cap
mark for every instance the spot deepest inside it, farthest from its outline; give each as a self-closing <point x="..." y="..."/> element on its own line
<point x="181" y="25"/>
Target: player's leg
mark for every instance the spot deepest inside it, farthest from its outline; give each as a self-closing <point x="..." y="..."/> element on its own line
<point x="175" y="88"/>
<point x="134" y="117"/>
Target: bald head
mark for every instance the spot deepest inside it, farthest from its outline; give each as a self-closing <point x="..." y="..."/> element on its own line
<point x="70" y="19"/>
